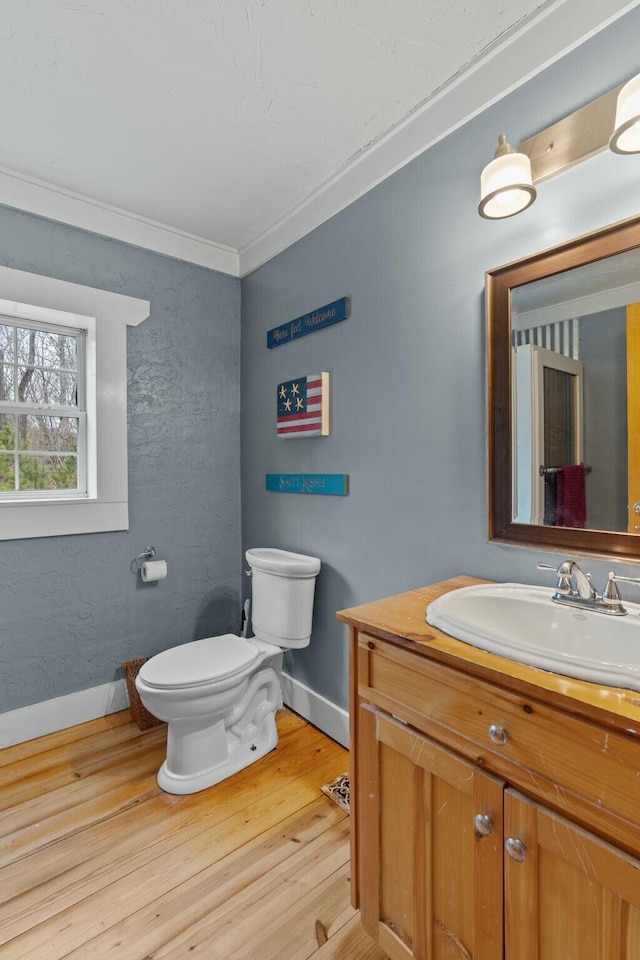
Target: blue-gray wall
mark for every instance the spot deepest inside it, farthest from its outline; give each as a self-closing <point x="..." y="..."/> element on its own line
<point x="71" y="609"/>
<point x="603" y="353"/>
<point x="408" y="368"/>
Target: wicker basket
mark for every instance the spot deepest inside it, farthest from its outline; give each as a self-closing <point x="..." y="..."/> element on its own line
<point x="140" y="714"/>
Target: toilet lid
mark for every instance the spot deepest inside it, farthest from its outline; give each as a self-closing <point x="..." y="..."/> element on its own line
<point x="199" y="662"/>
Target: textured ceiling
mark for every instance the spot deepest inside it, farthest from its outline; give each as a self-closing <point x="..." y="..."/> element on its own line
<point x="217" y="117"/>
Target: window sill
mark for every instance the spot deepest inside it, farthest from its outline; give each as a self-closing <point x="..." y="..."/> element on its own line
<point x="61" y="517"/>
<point x="39" y="501"/>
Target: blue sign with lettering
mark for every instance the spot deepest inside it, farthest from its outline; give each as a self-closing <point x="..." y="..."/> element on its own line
<point x="333" y="484"/>
<point x="309" y="323"/>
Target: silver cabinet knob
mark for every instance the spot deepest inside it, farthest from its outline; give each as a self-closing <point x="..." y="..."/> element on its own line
<point x="498" y="734"/>
<point x="483" y="824"/>
<point x="636" y="508"/>
<point x="516" y="849"/>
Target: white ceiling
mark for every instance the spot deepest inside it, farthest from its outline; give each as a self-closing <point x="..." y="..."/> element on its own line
<point x="221" y="119"/>
<point x="595" y="287"/>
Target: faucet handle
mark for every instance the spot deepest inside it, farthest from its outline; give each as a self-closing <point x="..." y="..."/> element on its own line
<point x="564" y="569"/>
<point x="617" y="578"/>
<point x="611" y="594"/>
<point x="564" y="573"/>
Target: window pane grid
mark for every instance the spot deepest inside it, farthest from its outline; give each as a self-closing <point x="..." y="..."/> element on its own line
<point x="39" y="363"/>
<point x="35" y="471"/>
<point x="46" y="348"/>
<point x="42" y="325"/>
<point x="45" y="453"/>
<point x="53" y="472"/>
<point x="42" y="443"/>
<point x="7" y="432"/>
<point x="46" y="368"/>
<point x="42" y="409"/>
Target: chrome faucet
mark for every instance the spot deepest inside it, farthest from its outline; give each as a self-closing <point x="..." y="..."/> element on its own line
<point x="573" y="582"/>
<point x="574" y="587"/>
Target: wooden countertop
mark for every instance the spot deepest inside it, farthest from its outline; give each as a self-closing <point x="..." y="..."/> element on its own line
<point x="401" y="620"/>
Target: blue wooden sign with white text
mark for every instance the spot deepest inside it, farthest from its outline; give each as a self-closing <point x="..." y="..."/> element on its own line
<point x="309" y="323"/>
<point x="333" y="484"/>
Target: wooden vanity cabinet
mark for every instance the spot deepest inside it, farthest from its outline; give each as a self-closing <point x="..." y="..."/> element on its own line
<point x="486" y="824"/>
<point x="428" y="887"/>
<point x="573" y="895"/>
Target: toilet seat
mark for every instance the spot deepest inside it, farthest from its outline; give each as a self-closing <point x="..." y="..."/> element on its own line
<point x="200" y="662"/>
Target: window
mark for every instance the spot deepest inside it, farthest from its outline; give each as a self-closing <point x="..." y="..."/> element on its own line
<point x="63" y="406"/>
<point x="43" y="411"/>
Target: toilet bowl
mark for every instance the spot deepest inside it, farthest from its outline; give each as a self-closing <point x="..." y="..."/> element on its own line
<point x="219" y="695"/>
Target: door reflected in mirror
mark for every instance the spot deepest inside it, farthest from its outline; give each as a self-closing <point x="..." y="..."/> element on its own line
<point x="571" y="383"/>
<point x="564" y="379"/>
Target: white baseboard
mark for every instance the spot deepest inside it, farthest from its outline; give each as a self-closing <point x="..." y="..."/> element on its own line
<point x="322" y="713"/>
<point x="37" y="720"/>
<point x="26" y="723"/>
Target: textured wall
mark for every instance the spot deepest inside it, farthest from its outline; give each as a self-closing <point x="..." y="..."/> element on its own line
<point x="71" y="608"/>
<point x="408" y="367"/>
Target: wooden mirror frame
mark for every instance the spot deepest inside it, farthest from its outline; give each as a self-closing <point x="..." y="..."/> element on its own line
<point x="617" y="238"/>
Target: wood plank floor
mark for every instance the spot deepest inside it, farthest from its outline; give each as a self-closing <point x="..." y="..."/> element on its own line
<point x="97" y="862"/>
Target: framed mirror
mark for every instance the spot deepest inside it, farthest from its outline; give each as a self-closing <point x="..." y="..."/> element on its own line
<point x="563" y="342"/>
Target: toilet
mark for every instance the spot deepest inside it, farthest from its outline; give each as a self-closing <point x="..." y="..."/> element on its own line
<point x="219" y="695"/>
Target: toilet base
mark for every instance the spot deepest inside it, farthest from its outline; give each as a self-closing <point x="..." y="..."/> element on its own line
<point x="202" y="751"/>
<point x="238" y="759"/>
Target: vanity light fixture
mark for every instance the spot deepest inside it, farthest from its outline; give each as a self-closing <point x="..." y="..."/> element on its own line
<point x="507" y="183"/>
<point x="626" y="134"/>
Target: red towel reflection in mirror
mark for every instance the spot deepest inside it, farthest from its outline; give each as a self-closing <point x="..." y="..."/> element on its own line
<point x="571" y="510"/>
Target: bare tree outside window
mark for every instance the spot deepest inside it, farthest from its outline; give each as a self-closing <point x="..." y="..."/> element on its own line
<point x="38" y="386"/>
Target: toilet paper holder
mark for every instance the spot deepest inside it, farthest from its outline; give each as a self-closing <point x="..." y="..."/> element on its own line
<point x="147" y="554"/>
<point x="150" y="570"/>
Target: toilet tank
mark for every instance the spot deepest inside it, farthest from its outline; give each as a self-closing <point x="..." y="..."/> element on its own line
<point x="282" y="602"/>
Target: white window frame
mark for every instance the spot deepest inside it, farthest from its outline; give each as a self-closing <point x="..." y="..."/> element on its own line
<point x="105" y="316"/>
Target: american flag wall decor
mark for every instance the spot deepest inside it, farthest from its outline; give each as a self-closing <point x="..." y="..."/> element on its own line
<point x="303" y="407"/>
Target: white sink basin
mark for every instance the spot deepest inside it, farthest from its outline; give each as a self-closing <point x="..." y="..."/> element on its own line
<point x="522" y="623"/>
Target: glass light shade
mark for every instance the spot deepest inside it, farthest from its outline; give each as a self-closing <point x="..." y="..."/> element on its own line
<point x="626" y="134"/>
<point x="506" y="187"/>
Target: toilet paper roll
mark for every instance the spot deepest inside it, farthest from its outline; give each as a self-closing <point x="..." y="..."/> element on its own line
<point x="152" y="570"/>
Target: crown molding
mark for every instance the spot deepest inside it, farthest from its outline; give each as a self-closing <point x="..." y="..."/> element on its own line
<point x="64" y="206"/>
<point x="508" y="64"/>
<point x="520" y="54"/>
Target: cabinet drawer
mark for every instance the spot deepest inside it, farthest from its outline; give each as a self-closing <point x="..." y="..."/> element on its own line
<point x="545" y="751"/>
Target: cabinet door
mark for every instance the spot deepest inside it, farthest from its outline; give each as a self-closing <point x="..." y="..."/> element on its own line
<point x="431" y="877"/>
<point x="568" y="894"/>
